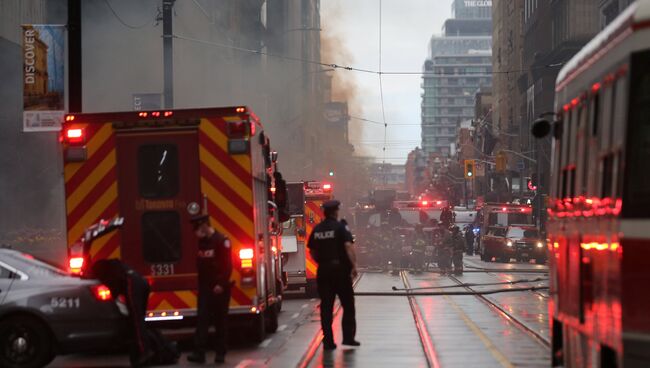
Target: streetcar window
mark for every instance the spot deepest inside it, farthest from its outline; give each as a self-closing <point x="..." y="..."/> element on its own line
<point x="607" y="178"/>
<point x="595" y="107"/>
<point x="605" y="118"/>
<point x="158" y="170"/>
<point x="161" y="236"/>
<point x="636" y="195"/>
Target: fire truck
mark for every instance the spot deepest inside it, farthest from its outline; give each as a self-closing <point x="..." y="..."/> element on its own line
<point x="501" y="215"/>
<point x="422" y="211"/>
<point x="598" y="212"/>
<point x="299" y="265"/>
<point x="156" y="169"/>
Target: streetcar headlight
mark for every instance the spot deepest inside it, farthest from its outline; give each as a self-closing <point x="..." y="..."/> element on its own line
<point x="540" y="245"/>
<point x="509" y="243"/>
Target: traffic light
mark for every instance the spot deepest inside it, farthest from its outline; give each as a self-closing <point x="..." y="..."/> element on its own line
<point x="501" y="162"/>
<point x="469" y="169"/>
<point x="331" y="173"/>
<point x="532" y="182"/>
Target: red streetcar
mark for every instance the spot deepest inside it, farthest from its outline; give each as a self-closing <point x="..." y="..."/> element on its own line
<point x="599" y="215"/>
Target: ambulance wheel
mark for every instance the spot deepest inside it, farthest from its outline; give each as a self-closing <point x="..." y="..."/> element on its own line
<point x="311" y="289"/>
<point x="279" y="290"/>
<point x="258" y="328"/>
<point x="272" y="319"/>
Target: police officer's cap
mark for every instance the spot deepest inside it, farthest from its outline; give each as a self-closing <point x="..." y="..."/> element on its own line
<point x="198" y="220"/>
<point x="332" y="204"/>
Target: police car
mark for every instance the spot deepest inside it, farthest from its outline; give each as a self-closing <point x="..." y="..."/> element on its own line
<point x="44" y="311"/>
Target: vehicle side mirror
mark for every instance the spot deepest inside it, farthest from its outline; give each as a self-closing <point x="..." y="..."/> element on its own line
<point x="540" y="128"/>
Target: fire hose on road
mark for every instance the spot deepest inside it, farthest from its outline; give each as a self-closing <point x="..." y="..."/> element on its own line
<point x="472" y="284"/>
<point x="434" y="293"/>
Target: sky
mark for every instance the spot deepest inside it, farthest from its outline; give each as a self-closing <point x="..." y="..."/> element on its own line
<point x="406" y="27"/>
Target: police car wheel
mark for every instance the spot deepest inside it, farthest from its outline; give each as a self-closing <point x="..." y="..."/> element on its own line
<point x="24" y="342"/>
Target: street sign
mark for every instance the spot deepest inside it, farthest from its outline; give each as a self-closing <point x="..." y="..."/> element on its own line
<point x="520" y="165"/>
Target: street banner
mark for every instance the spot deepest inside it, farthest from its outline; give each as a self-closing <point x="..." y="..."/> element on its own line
<point x="43" y="77"/>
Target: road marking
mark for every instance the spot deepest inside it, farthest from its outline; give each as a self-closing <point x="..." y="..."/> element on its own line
<point x="477" y="331"/>
<point x="312" y="299"/>
<point x="282" y="327"/>
<point x="266" y="342"/>
<point x="304" y="306"/>
<point x="295" y="315"/>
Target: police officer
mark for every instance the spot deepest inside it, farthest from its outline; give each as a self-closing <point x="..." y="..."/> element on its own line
<point x="122" y="280"/>
<point x="214" y="266"/>
<point x="331" y="246"/>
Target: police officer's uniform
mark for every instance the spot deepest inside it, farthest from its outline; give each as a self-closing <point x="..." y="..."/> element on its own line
<point x="214" y="265"/>
<point x="122" y="280"/>
<point x="327" y="244"/>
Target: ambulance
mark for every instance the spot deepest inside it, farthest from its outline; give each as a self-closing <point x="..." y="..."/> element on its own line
<point x="156" y="169"/>
<point x="307" y="199"/>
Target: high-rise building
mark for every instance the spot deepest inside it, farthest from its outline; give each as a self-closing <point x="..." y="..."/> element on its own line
<point x="459" y="63"/>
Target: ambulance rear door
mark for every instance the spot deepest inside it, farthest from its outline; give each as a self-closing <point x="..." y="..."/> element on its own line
<point x="159" y="189"/>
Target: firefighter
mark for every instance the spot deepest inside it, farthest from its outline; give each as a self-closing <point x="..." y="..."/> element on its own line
<point x="419" y="245"/>
<point x="458" y="247"/>
<point x="331" y="246"/>
<point x="214" y="267"/>
<point x="445" y="250"/>
<point x="469" y="240"/>
<point x="122" y="280"/>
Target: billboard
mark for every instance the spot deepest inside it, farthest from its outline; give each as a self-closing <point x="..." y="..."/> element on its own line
<point x="43" y="77"/>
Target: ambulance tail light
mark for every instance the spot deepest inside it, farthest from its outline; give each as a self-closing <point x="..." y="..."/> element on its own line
<point x="74" y="136"/>
<point x="238" y="129"/>
<point x="327" y="187"/>
<point x="246" y="256"/>
<point x="76" y="265"/>
<point x="101" y="292"/>
<point x="239" y="133"/>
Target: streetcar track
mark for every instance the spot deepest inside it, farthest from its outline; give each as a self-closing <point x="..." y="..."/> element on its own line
<point x="508" y="316"/>
<point x="420" y="325"/>
<point x="487" y="342"/>
<point x="317" y="340"/>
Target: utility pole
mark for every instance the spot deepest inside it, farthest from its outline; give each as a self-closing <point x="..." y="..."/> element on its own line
<point x="74" y="56"/>
<point x="168" y="53"/>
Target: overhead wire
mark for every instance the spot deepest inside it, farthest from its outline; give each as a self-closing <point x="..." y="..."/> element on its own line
<point x="124" y="23"/>
<point x="352" y="68"/>
<point x="381" y="88"/>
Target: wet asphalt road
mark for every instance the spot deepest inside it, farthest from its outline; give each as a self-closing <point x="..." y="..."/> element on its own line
<point x="463" y="330"/>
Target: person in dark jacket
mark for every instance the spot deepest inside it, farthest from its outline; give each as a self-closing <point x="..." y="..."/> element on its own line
<point x="214" y="265"/>
<point x="122" y="280"/>
<point x="331" y="246"/>
<point x="469" y="240"/>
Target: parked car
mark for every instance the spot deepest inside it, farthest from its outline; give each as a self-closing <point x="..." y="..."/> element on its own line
<point x="44" y="311"/>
